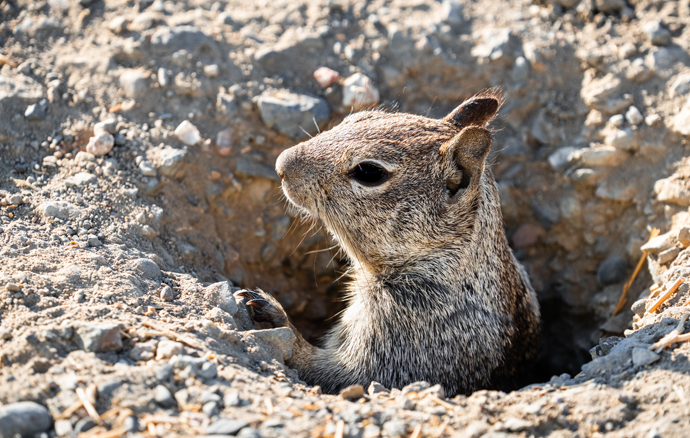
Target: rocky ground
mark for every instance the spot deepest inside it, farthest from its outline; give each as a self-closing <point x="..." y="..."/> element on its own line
<point x="137" y="193"/>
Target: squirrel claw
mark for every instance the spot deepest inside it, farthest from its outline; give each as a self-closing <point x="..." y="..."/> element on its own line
<point x="264" y="308"/>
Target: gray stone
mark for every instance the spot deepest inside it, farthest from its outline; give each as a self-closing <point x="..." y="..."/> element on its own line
<point x="561" y="158"/>
<point x="681" y="122"/>
<point x="147" y="169"/>
<point x="497" y="43"/>
<point x="278" y="340"/>
<point x="164" y="397"/>
<point x="221" y="295"/>
<point x="452" y="12"/>
<point x="85" y="424"/>
<point x="623" y="139"/>
<point x="681" y="86"/>
<point x="521" y="69"/>
<point x="171" y="161"/>
<point x="15" y="199"/>
<point x="586" y="177"/>
<point x="148" y="268"/>
<point x="167" y="294"/>
<point x="81" y="179"/>
<point x="98" y="337"/>
<point x="634" y="116"/>
<point x="377" y="388"/>
<point x="601" y="156"/>
<point x="225" y="426"/>
<point x="674" y="189"/>
<point x="272" y="59"/>
<point x="613" y="363"/>
<point x="35" y="112"/>
<point x="295" y="115"/>
<point x="612" y="270"/>
<point x="617" y="189"/>
<point x="639" y="307"/>
<point x="21" y="87"/>
<point x="59" y="209"/>
<point x="108" y="125"/>
<point x="249" y="432"/>
<point x="242" y="318"/>
<point x="210" y="409"/>
<point x="684" y="236"/>
<point x="658" y="244"/>
<point x="107" y="387"/>
<point x="24" y="418"/>
<point x="247" y="166"/>
<point x="196" y="366"/>
<point x="227" y="105"/>
<point x="668" y="255"/>
<point x="189" y="38"/>
<point x="133" y="83"/>
<point x="93" y="241"/>
<point x="352" y="392"/>
<point x="657" y="34"/>
<point x="642" y="357"/>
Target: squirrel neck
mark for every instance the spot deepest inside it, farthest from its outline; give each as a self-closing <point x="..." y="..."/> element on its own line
<point x="478" y="260"/>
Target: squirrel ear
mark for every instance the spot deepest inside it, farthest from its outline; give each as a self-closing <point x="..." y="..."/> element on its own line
<point x="476" y="111"/>
<point x="465" y="154"/>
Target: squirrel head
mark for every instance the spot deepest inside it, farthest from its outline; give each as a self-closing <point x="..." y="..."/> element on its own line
<point x="391" y="187"/>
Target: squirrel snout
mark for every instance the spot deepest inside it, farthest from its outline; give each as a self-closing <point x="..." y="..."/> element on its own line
<point x="286" y="163"/>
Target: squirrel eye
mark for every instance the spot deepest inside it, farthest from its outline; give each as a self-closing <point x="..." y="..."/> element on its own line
<point x="368" y="174"/>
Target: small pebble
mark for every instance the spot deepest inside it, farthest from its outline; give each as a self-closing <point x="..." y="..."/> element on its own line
<point x="352" y="393"/>
<point x="187" y="133"/>
<point x="326" y="77"/>
<point x="101" y="143"/>
<point x="167" y="294"/>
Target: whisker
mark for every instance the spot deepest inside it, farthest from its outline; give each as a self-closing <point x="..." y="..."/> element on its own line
<point x="303" y="130"/>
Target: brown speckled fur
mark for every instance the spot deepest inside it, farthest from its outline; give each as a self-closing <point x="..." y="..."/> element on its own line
<point x="436" y="293"/>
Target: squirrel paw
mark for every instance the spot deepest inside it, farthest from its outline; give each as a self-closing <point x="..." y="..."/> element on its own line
<point x="264" y="308"/>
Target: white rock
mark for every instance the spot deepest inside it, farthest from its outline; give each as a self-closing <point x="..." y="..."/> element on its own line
<point x="669" y="255"/>
<point x="188" y="133"/>
<point x="602" y="156"/>
<point x="101" y="143"/>
<point x="80" y="179"/>
<point x="359" y="92"/>
<point x="681" y="122"/>
<point x="168" y="349"/>
<point x="59" y="209"/>
<point x="211" y="70"/>
<point x="634" y="116"/>
<point x="84" y="157"/>
<point x="658" y="244"/>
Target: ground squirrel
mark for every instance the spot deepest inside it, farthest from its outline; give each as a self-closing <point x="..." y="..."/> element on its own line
<point x="436" y="293"/>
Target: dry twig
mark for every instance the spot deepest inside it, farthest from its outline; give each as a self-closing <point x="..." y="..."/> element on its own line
<point x="417" y="431"/>
<point x="666" y="295"/>
<point x="442" y="428"/>
<point x="88" y="404"/>
<point x="442" y="402"/>
<point x="172" y="335"/>
<point x="339" y="429"/>
<point x="628" y="284"/>
<point x="673" y="337"/>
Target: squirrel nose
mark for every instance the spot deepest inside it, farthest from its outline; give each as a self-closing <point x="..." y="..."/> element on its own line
<point x="285" y="163"/>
